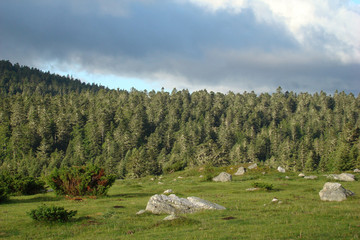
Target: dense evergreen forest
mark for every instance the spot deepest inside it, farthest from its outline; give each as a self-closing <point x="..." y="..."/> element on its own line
<point x="48" y="121"/>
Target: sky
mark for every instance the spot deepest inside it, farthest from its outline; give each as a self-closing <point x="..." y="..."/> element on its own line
<point x="218" y="45"/>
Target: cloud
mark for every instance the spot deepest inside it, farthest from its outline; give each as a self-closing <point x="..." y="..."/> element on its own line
<point x="219" y="45"/>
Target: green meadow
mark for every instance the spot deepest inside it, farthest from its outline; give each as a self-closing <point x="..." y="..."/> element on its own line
<point x="248" y="215"/>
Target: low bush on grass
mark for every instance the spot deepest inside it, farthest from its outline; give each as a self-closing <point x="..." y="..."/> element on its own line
<point x="80" y="181"/>
<point x="51" y="214"/>
<point x="17" y="184"/>
<point x="263" y="185"/>
<point x="209" y="172"/>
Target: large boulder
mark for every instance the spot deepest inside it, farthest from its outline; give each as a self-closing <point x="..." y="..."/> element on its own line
<point x="172" y="204"/>
<point x="223" y="177"/>
<point x="280" y="169"/>
<point x="334" y="192"/>
<point x="346" y="177"/>
<point x="240" y="171"/>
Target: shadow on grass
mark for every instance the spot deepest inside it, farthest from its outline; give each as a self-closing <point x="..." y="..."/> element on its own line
<point x="131" y="195"/>
<point x="34" y="199"/>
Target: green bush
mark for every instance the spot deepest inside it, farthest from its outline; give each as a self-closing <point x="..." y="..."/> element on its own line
<point x="80" y="181"/>
<point x="51" y="214"/>
<point x="209" y="172"/>
<point x="21" y="185"/>
<point x="263" y="185"/>
<point x="4" y="192"/>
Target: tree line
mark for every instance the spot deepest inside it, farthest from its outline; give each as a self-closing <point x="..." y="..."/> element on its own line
<point x="48" y="121"/>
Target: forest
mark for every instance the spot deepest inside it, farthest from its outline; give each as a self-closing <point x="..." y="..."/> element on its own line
<point x="49" y="121"/>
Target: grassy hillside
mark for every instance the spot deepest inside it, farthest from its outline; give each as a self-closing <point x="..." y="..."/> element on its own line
<point x="249" y="215"/>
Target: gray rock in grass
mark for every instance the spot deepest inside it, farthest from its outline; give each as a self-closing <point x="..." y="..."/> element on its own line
<point x="311" y="177"/>
<point x="240" y="171"/>
<point x="252" y="166"/>
<point x="223" y="177"/>
<point x="334" y="192"/>
<point x="346" y="177"/>
<point x="172" y="204"/>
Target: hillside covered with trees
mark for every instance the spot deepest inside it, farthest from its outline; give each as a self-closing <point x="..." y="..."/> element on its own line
<point x="48" y="121"/>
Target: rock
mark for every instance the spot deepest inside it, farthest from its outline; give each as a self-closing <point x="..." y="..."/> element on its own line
<point x="252" y="166"/>
<point x="240" y="171"/>
<point x="301" y="175"/>
<point x="287" y="177"/>
<point x="203" y="204"/>
<point x="201" y="176"/>
<point x="311" y="177"/>
<point x="152" y="179"/>
<point x="356" y="170"/>
<point x="168" y="191"/>
<point x="280" y="169"/>
<point x="252" y="189"/>
<point x="172" y="204"/>
<point x="171" y="217"/>
<point x="275" y="200"/>
<point x="180" y="177"/>
<point x="223" y="177"/>
<point x="346" y="177"/>
<point x="141" y="212"/>
<point x="160" y="183"/>
<point x="334" y="192"/>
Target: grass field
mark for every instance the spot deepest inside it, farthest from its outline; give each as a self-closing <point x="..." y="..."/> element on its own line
<point x="249" y="215"/>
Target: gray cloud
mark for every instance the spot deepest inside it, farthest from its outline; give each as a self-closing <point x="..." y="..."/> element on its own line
<point x="176" y="44"/>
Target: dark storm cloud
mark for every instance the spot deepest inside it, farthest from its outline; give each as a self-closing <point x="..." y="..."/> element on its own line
<point x="168" y="41"/>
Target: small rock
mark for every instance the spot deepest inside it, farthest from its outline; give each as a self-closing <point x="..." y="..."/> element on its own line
<point x="280" y="169"/>
<point x="280" y="202"/>
<point x="252" y="189"/>
<point x="171" y="217"/>
<point x="168" y="191"/>
<point x="334" y="192"/>
<point x="141" y="212"/>
<point x="263" y="173"/>
<point x="180" y="177"/>
<point x="357" y="170"/>
<point x="275" y="200"/>
<point x="252" y="166"/>
<point x="240" y="171"/>
<point x="223" y="177"/>
<point x="301" y="175"/>
<point x="152" y="179"/>
<point x="311" y="177"/>
<point x="174" y="180"/>
<point x="201" y="176"/>
<point x="287" y="177"/>
<point x="160" y="183"/>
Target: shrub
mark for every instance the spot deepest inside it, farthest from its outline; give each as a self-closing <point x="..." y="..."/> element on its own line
<point x="209" y="172"/>
<point x="263" y="185"/>
<point x="4" y="193"/>
<point x="51" y="214"/>
<point x="21" y="185"/>
<point x="80" y="181"/>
